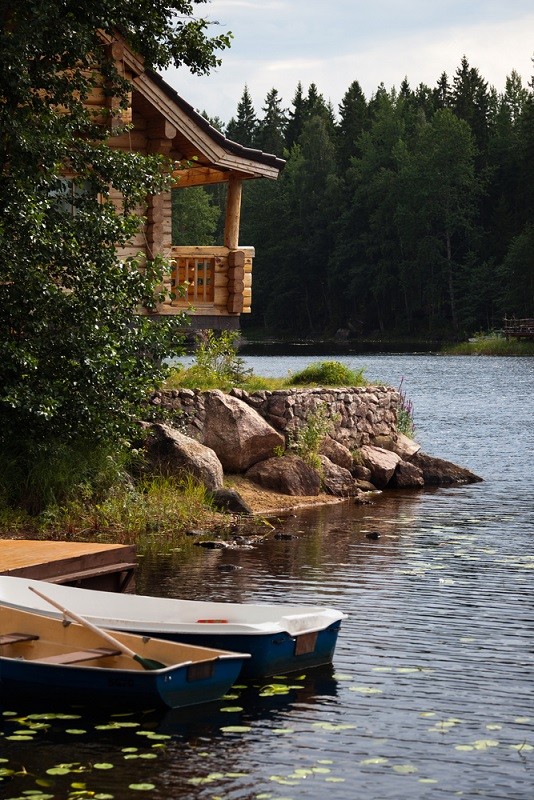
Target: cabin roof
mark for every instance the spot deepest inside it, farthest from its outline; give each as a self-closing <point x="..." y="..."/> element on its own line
<point x="213" y="157"/>
<point x="239" y="150"/>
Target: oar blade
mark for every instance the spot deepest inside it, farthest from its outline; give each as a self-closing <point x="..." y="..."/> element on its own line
<point x="148" y="663"/>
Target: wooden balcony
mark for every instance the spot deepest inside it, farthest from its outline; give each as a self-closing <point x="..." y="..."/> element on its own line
<point x="216" y="283"/>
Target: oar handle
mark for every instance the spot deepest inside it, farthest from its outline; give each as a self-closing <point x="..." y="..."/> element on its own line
<point x="85" y="622"/>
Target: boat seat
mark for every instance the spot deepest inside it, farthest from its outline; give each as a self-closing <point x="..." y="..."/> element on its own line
<point x="77" y="656"/>
<point x="13" y="638"/>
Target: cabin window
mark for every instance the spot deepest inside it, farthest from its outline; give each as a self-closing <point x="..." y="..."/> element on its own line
<point x="67" y="194"/>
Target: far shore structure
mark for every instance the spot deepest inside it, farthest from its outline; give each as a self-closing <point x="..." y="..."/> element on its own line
<point x="217" y="279"/>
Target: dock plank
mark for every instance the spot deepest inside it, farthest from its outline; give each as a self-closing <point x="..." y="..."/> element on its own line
<point x="89" y="563"/>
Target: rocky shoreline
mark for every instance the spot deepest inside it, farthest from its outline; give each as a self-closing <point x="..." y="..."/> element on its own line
<point x="241" y="446"/>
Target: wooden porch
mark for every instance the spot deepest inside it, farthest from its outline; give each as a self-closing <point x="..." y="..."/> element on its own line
<point x="519" y="328"/>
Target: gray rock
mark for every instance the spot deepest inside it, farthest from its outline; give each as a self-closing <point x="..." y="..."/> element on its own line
<point x="172" y="453"/>
<point x="230" y="500"/>
<point x="407" y="476"/>
<point x="382" y="464"/>
<point x="286" y="475"/>
<point x="336" y="452"/>
<point x="237" y="433"/>
<point x="398" y="443"/>
<point x="438" y="472"/>
<point x="337" y="480"/>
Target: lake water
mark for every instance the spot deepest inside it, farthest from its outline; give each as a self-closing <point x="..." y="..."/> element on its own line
<point x="431" y="690"/>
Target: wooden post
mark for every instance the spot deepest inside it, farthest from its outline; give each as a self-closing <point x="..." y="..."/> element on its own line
<point x="233" y="212"/>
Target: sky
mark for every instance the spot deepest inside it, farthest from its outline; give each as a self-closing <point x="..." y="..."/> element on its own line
<point x="331" y="43"/>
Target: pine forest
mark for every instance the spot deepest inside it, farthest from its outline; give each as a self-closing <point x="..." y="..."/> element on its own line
<point x="408" y="214"/>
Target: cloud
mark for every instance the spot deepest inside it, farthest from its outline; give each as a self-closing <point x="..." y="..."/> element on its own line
<point x="274" y="47"/>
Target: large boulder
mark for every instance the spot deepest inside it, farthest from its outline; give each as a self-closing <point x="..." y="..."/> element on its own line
<point x="438" y="472"/>
<point x="398" y="443"/>
<point x="286" y="475"/>
<point x="237" y="433"/>
<point x="382" y="464"/>
<point x="337" y="453"/>
<point x="407" y="476"/>
<point x="337" y="480"/>
<point x="172" y="453"/>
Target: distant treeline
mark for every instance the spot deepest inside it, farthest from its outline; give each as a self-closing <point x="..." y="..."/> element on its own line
<point x="411" y="213"/>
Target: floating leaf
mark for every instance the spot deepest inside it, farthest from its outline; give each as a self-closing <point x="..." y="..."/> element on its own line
<point x="236" y="729"/>
<point x="493" y="727"/>
<point x="427" y="780"/>
<point x="103" y="765"/>
<point x="464" y="747"/>
<point x="232" y="708"/>
<point x="75" y="731"/>
<point x="523" y="746"/>
<point x="522" y="720"/>
<point x="325" y="761"/>
<point x="483" y="744"/>
<point x="334" y="780"/>
<point x="376" y="760"/>
<point x="404" y="769"/>
<point x="382" y="669"/>
<point x="365" y="689"/>
<point x="283" y="730"/>
<point x="58" y="771"/>
<point x="141" y="787"/>
<point x="129" y="749"/>
<point x="340" y="676"/>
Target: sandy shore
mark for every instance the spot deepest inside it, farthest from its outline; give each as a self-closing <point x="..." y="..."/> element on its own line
<point x="264" y="502"/>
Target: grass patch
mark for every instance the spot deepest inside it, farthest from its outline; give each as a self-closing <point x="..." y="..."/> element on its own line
<point x="491" y="346"/>
<point x="325" y="373"/>
<point x="154" y="511"/>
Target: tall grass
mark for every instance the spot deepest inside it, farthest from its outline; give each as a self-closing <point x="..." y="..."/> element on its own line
<point x="155" y="510"/>
<point x="491" y="346"/>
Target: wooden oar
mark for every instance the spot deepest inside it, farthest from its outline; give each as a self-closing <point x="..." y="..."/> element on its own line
<point x="146" y="663"/>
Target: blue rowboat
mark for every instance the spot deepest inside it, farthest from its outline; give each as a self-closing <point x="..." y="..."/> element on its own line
<point x="279" y="638"/>
<point x="41" y="656"/>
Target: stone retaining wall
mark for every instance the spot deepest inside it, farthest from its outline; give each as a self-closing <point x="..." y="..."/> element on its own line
<point x="359" y="414"/>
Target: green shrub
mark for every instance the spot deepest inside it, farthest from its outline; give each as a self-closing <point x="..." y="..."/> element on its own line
<point x="328" y="373"/>
<point x="306" y="440"/>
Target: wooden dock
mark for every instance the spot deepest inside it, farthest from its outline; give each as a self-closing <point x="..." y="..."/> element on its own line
<point x="519" y="328"/>
<point x="108" y="567"/>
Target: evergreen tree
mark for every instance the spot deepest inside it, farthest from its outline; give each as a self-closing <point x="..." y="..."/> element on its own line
<point x="442" y="92"/>
<point x="296" y="117"/>
<point x="354" y="119"/>
<point x="270" y="136"/>
<point x="470" y="101"/>
<point x="242" y="128"/>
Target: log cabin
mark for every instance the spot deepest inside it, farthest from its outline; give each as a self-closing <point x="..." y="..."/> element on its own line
<point x="217" y="280"/>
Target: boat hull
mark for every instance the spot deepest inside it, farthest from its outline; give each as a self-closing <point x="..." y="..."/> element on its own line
<point x="279" y="638"/>
<point x="172" y="688"/>
<point x="48" y="657"/>
<point x="271" y="654"/>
